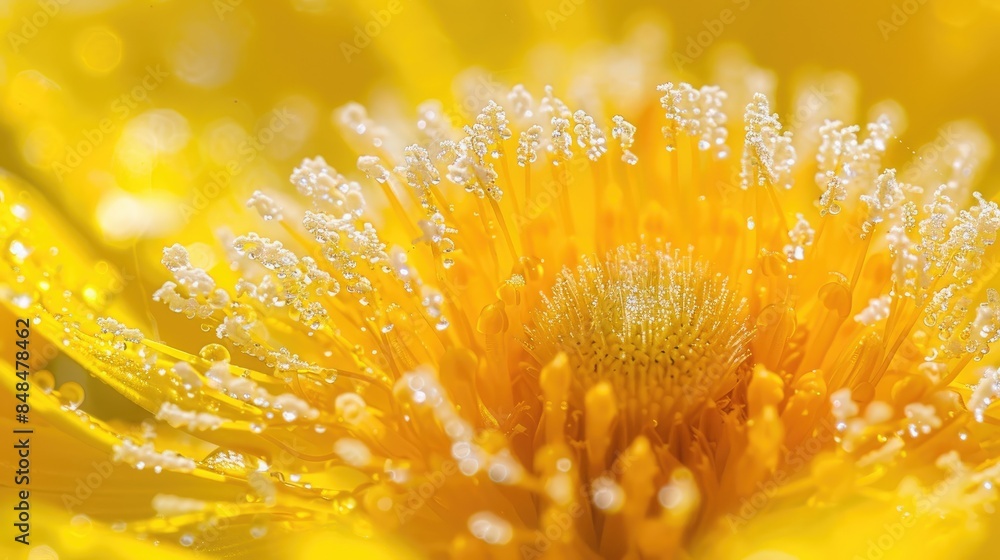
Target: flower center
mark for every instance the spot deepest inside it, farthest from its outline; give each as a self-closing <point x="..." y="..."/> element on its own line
<point x="667" y="334"/>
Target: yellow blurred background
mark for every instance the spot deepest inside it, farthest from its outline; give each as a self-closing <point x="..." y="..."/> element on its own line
<point x="191" y="77"/>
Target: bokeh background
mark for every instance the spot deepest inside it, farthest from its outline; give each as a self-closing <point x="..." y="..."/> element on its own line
<point x="66" y="64"/>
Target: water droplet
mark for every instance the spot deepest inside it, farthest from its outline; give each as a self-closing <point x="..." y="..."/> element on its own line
<point x="43" y="552"/>
<point x="71" y="394"/>
<point x="93" y="296"/>
<point x="23" y="301"/>
<point x="214" y="353"/>
<point x="44" y="380"/>
<point x="80" y="525"/>
<point x="19" y="250"/>
<point x="348" y="504"/>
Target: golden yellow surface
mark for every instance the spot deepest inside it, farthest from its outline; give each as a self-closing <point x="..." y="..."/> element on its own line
<point x="162" y="94"/>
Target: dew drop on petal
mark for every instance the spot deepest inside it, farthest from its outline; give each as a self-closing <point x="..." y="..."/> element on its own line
<point x="20" y="212"/>
<point x="71" y="395"/>
<point x="214" y="353"/>
<point x="19" y="250"/>
<point x="80" y="525"/>
<point x="22" y="301"/>
<point x="44" y="380"/>
<point x="43" y="552"/>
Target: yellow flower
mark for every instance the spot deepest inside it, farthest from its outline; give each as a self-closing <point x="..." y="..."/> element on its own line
<point x="637" y="321"/>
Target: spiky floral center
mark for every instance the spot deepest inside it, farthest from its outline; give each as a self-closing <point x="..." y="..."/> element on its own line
<point x="666" y="333"/>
